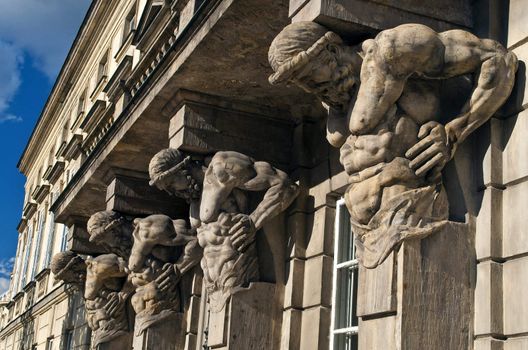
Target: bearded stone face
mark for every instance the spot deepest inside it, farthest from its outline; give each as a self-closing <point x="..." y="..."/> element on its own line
<point x="329" y="79"/>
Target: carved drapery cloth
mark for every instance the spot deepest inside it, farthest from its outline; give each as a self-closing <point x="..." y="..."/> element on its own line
<point x="412" y="214"/>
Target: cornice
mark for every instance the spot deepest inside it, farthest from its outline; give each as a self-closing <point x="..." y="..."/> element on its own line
<point x="94" y="22"/>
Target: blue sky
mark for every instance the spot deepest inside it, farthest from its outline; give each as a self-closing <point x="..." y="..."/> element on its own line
<point x="35" y="36"/>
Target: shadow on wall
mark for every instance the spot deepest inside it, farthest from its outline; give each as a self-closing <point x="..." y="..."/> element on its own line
<point x="28" y="331"/>
<point x="514" y="105"/>
<point x="75" y="332"/>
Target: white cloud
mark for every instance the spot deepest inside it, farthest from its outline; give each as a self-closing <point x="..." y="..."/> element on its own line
<point x="6" y="267"/>
<point x="9" y="118"/>
<point x="43" y="30"/>
<point x="4" y="285"/>
<point x="10" y="61"/>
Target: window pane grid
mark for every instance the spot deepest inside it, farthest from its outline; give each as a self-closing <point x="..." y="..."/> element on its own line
<point x="344" y="328"/>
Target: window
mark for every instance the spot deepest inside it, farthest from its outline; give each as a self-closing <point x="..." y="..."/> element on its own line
<point x="65" y="130"/>
<point x="81" y="103"/>
<point x="41" y="219"/>
<point x="102" y="70"/>
<point x="344" y="324"/>
<point x="51" y="156"/>
<point x="51" y="233"/>
<point x="68" y="340"/>
<point x="49" y="344"/>
<point x="64" y="239"/>
<point x="130" y="24"/>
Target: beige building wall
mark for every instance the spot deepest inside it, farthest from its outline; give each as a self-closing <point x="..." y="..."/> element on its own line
<point x="501" y="306"/>
<point x="38" y="312"/>
<point x="41" y="311"/>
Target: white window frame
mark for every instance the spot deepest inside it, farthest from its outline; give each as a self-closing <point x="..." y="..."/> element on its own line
<point x="341" y="212"/>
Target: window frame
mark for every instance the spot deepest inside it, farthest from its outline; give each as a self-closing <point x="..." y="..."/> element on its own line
<point x="352" y="265"/>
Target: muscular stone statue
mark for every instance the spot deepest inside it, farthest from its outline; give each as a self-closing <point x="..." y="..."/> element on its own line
<point x="160" y="245"/>
<point x="101" y="281"/>
<point x="69" y="267"/>
<point x="105" y="298"/>
<point x="226" y="229"/>
<point x="155" y="252"/>
<point x="383" y="113"/>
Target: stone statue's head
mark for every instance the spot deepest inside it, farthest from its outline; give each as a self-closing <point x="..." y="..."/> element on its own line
<point x="156" y="231"/>
<point x="170" y="171"/>
<point x="111" y="230"/>
<point x="69" y="267"/>
<point x="312" y="57"/>
<point x="104" y="271"/>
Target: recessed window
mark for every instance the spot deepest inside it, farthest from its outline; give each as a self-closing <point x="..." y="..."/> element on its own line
<point x="68" y="340"/>
<point x="344" y="324"/>
<point x="51" y="156"/>
<point x="65" y="130"/>
<point x="81" y="103"/>
<point x="49" y="344"/>
<point x="130" y="24"/>
<point x="102" y="70"/>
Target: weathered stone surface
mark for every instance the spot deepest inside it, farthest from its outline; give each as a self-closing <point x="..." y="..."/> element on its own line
<point x="488" y="238"/>
<point x="435" y="291"/>
<point x="377" y="289"/>
<point x="320" y="238"/>
<point x="517" y="22"/>
<point x="297" y="223"/>
<point x="360" y="18"/>
<point x="293" y="291"/>
<point x="515" y="279"/>
<point x="514" y="228"/>
<point x="488" y="343"/>
<point x="165" y="335"/>
<point x="132" y="195"/>
<point x="379" y="333"/>
<point x="491" y="135"/>
<point x="163" y="250"/>
<point x="204" y="128"/>
<point x="193" y="313"/>
<point x="248" y="321"/>
<point x="433" y="296"/>
<point x="291" y="329"/>
<point x="515" y="165"/>
<point x="315" y="328"/>
<point x="520" y="343"/>
<point x="488" y="299"/>
<point x="218" y="191"/>
<point x="518" y="100"/>
<point x="190" y="342"/>
<point x="391" y="144"/>
<point x="317" y="272"/>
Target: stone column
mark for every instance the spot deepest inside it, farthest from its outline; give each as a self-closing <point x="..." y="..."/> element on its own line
<point x="169" y="334"/>
<point x="247" y="320"/>
<point x="421" y="296"/>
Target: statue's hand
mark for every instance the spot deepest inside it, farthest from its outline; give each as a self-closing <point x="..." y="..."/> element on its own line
<point x="115" y="304"/>
<point x="243" y="232"/>
<point x="167" y="281"/>
<point x="429" y="155"/>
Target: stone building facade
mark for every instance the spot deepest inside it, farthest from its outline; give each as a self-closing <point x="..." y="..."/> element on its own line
<point x="157" y="92"/>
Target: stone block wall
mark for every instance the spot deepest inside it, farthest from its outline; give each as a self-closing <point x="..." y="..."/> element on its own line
<point x="501" y="306"/>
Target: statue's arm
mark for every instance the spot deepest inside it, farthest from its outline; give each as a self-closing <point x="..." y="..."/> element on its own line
<point x="336" y="127"/>
<point x="280" y="192"/>
<point x="191" y="256"/>
<point x="494" y="83"/>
